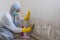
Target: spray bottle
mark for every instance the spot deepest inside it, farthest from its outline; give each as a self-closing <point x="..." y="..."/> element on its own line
<point x="26" y="19"/>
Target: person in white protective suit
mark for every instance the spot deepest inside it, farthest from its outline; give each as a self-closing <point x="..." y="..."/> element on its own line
<point x="8" y="25"/>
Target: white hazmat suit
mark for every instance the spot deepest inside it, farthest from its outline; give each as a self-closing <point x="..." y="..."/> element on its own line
<point x="7" y="25"/>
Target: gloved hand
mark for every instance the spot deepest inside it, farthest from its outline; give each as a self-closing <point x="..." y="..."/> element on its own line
<point x="26" y="30"/>
<point x="29" y="29"/>
<point x="27" y="16"/>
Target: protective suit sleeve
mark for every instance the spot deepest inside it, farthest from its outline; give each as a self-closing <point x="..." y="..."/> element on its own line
<point x="7" y="21"/>
<point x="20" y="17"/>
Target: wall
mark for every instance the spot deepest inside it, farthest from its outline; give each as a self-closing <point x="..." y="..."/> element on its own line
<point x="45" y="14"/>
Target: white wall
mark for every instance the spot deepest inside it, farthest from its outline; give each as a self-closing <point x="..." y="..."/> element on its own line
<point x="46" y="15"/>
<point x="45" y="9"/>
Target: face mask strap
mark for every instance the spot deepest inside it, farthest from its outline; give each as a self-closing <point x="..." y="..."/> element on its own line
<point x="15" y="14"/>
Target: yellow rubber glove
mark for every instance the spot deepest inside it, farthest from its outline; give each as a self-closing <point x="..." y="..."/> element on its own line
<point x="27" y="16"/>
<point x="29" y="29"/>
<point x="26" y="30"/>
